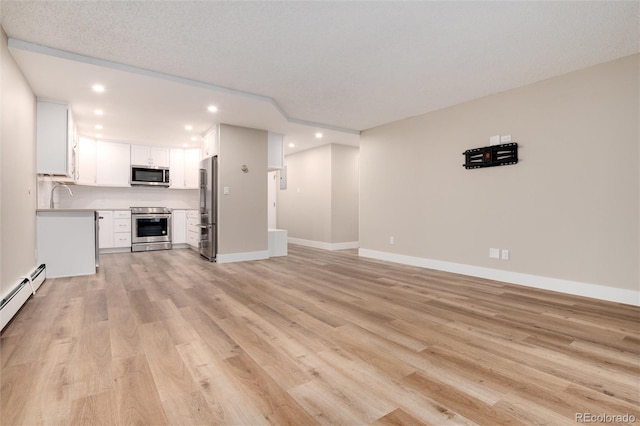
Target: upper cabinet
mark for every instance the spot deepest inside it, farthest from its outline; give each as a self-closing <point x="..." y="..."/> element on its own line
<point x="275" y="153"/>
<point x="113" y="164"/>
<point x="86" y="162"/>
<point x="149" y="156"/>
<point x="184" y="167"/>
<point x="210" y="143"/>
<point x="56" y="139"/>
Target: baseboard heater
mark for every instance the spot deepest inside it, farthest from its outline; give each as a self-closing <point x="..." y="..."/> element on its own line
<point x="13" y="301"/>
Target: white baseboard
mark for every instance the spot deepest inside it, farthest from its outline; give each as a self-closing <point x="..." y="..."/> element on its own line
<point x="594" y="291"/>
<point x="324" y="246"/>
<point x="242" y="257"/>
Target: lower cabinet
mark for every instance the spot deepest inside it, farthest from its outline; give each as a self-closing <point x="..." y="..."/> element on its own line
<point x="114" y="229"/>
<point x="193" y="228"/>
<point x="179" y="227"/>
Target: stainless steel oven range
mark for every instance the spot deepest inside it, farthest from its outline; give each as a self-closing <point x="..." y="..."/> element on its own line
<point x="150" y="228"/>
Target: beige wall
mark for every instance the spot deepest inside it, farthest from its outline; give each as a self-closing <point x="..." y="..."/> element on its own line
<point x="345" y="173"/>
<point x="304" y="208"/>
<point x="242" y="214"/>
<point x="568" y="210"/>
<point x="17" y="173"/>
<point x="321" y="200"/>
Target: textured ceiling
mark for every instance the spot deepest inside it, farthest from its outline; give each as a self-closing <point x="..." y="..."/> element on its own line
<point x="352" y="65"/>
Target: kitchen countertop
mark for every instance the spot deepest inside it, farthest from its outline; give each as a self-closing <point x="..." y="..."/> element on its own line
<point x="63" y="210"/>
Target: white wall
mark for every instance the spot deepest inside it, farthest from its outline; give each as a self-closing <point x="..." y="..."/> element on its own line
<point x="17" y="173"/>
<point x="568" y="210"/>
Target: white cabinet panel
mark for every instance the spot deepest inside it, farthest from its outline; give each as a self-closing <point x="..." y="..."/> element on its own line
<point x="122" y="225"/>
<point x="176" y="168"/>
<point x="193" y="228"/>
<point x="159" y="156"/>
<point x="66" y="242"/>
<point x="115" y="229"/>
<point x="113" y="164"/>
<point x="122" y="214"/>
<point x="54" y="139"/>
<point x="142" y="155"/>
<point x="191" y="168"/>
<point x="275" y="152"/>
<point x="179" y="227"/>
<point x="86" y="167"/>
<point x="210" y="143"/>
<point x="184" y="168"/>
<point x="122" y="239"/>
<point x="105" y="229"/>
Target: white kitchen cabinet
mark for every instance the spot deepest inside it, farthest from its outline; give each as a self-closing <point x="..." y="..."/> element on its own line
<point x="113" y="164"/>
<point x="193" y="228"/>
<point x="176" y="168"/>
<point x="275" y="152"/>
<point x="142" y="155"/>
<point x="179" y="227"/>
<point x="86" y="162"/>
<point x="184" y="168"/>
<point x="105" y="229"/>
<point x="122" y="228"/>
<point x="114" y="229"/>
<point x="55" y="139"/>
<point x="191" y="168"/>
<point x="210" y="143"/>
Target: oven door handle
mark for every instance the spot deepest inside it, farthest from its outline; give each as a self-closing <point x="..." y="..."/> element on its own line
<point x="151" y="216"/>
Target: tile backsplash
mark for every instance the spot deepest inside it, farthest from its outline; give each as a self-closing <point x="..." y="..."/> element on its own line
<point x="109" y="198"/>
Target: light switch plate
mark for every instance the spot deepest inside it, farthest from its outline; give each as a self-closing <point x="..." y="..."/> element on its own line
<point x="505" y="254"/>
<point x="494" y="253"/>
<point x="505" y="138"/>
<point x="494" y="140"/>
<point x="225" y="190"/>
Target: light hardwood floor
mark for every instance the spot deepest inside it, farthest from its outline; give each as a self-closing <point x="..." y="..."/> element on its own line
<point x="316" y="337"/>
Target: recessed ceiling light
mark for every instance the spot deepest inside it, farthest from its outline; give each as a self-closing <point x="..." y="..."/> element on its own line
<point x="99" y="126"/>
<point x="292" y="145"/>
<point x="98" y="135"/>
<point x="194" y="138"/>
<point x="319" y="135"/>
<point x="212" y="108"/>
<point x="98" y="112"/>
<point x="97" y="88"/>
<point x="185" y="145"/>
<point x="188" y="127"/>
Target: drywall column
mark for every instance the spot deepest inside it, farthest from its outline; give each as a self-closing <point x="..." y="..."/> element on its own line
<point x="242" y="212"/>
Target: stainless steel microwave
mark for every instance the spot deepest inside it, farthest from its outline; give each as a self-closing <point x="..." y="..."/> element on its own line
<point x="149" y="175"/>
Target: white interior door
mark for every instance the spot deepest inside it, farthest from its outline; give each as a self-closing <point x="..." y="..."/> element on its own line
<point x="271" y="199"/>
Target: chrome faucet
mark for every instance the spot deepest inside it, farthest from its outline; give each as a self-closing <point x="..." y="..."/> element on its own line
<point x="53" y="189"/>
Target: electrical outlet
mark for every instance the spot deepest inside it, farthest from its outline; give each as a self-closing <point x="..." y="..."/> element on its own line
<point x="494" y="140"/>
<point x="505" y="138"/>
<point x="505" y="254"/>
<point x="392" y="240"/>
<point x="494" y="253"/>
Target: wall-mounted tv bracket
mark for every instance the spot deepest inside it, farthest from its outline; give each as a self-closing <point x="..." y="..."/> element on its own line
<point x="490" y="156"/>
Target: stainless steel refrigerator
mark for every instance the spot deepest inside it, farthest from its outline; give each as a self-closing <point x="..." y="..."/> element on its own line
<point x="208" y="208"/>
